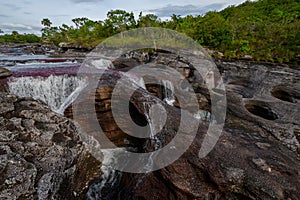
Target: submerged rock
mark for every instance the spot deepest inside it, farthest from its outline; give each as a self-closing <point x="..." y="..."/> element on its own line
<point x="41" y="154"/>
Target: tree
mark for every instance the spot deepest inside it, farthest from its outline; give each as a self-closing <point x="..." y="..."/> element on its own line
<point x="120" y="20"/>
<point x="46" y="22"/>
<point x="80" y="21"/>
<point x="266" y="29"/>
<point x="15" y="34"/>
<point x="149" y="20"/>
<point x="214" y="30"/>
<point x="46" y="31"/>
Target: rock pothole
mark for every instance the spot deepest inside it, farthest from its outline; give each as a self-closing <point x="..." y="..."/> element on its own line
<point x="288" y="94"/>
<point x="261" y="109"/>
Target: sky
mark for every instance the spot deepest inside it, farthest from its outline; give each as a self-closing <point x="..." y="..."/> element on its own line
<point x="25" y="16"/>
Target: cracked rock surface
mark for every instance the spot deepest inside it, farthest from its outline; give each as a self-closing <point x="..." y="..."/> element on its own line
<point x="41" y="155"/>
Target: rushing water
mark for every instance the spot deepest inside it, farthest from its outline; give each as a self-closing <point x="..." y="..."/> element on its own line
<point x="109" y="176"/>
<point x="56" y="91"/>
<point x="107" y="187"/>
<point x="21" y="57"/>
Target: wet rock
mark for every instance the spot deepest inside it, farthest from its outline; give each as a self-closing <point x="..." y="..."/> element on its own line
<point x="264" y="146"/>
<point x="101" y="99"/>
<point x="32" y="48"/>
<point x="7" y="103"/>
<point x="4" y="73"/>
<point x="260" y="163"/>
<point x="42" y="156"/>
<point x="265" y="94"/>
<point x="257" y="155"/>
<point x="3" y="88"/>
<point x="235" y="176"/>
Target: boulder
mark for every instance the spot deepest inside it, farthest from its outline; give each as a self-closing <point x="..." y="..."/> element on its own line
<point x="69" y="48"/>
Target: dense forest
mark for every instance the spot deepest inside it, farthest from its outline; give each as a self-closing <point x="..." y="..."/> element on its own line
<point x="264" y="30"/>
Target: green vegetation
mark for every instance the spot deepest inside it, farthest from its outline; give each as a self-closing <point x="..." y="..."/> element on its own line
<point x="264" y="30"/>
<point x="15" y="37"/>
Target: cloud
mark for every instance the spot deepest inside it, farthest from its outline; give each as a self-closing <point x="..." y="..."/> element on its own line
<point x="27" y="2"/>
<point x="58" y="16"/>
<point x="4" y="16"/>
<point x="184" y="10"/>
<point x="85" y="1"/>
<point x="8" y="27"/>
<point x="11" y="6"/>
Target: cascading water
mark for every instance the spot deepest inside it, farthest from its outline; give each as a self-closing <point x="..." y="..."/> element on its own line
<point x="56" y="91"/>
<point x="203" y="115"/>
<point x="141" y="83"/>
<point x="168" y="94"/>
<point x="109" y="177"/>
<point x="71" y="98"/>
<point x="107" y="187"/>
<point x="102" y="64"/>
<point x="156" y="119"/>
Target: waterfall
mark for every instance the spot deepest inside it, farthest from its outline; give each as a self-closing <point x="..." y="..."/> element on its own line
<point x="109" y="176"/>
<point x="156" y="119"/>
<point x="56" y="91"/>
<point x="203" y="115"/>
<point x="71" y="98"/>
<point x="138" y="81"/>
<point x="102" y="64"/>
<point x="168" y="95"/>
<point x="141" y="83"/>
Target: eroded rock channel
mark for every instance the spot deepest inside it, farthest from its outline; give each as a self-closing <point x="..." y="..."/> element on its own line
<point x="256" y="157"/>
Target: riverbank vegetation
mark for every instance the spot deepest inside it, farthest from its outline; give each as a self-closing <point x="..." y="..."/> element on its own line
<point x="16" y="37"/>
<point x="266" y="30"/>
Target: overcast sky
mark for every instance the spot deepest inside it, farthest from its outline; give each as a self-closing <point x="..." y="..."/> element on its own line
<point x="26" y="15"/>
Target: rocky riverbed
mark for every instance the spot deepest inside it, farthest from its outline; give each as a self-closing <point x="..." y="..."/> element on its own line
<point x="256" y="157"/>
